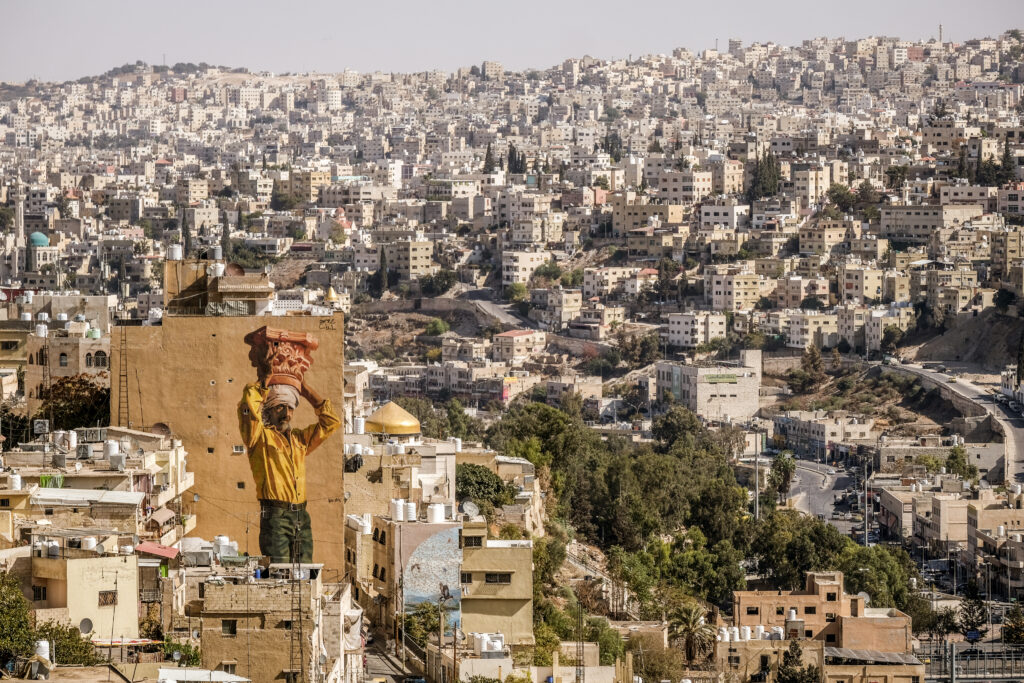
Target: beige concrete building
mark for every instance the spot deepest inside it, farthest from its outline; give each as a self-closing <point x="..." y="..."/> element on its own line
<point x="915" y="224"/>
<point x="517" y="346"/>
<point x="497" y="585"/>
<point x="518" y="266"/>
<point x="689" y="330"/>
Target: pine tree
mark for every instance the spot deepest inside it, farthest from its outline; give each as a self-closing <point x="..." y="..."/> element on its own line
<point x="973" y="613"/>
<point x="837" y="360"/>
<point x="1013" y="625"/>
<point x="961" y="165"/>
<point x="1006" y="170"/>
<point x="792" y="669"/>
<point x="812" y="364"/>
<point x="1020" y="360"/>
<point x="225" y="234"/>
<point x="186" y="236"/>
<point x="489" y="160"/>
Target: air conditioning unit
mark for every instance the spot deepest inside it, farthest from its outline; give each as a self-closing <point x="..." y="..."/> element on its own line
<point x="60" y="459"/>
<point x="118" y="462"/>
<point x="84" y="451"/>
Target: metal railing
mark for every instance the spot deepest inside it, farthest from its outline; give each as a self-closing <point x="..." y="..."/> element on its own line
<point x="977" y="661"/>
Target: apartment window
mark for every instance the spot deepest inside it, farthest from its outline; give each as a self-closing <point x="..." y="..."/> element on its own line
<point x="831" y="597"/>
<point x="808" y="633"/>
<point x="382" y="571"/>
<point x="38" y="593"/>
<point x="376" y="569"/>
<point x="100" y="359"/>
<point x="63" y="360"/>
<point x="228" y="668"/>
<point x="753" y="610"/>
<point x="108" y="598"/>
<point x="498" y="577"/>
<point x="810" y="610"/>
<point x="376" y="534"/>
<point x="8" y="345"/>
<point x="473" y="541"/>
<point x="830" y="616"/>
<point x="779" y="611"/>
<point x="229" y="627"/>
<point x="830" y="637"/>
<point x="466" y="577"/>
<point x="5" y="502"/>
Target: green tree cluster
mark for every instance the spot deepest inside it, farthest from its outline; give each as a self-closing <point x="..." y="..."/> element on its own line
<point x="767" y="176"/>
<point x="438" y="283"/>
<point x="479" y="484"/>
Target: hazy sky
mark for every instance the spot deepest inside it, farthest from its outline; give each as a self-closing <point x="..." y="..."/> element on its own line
<point x="53" y="40"/>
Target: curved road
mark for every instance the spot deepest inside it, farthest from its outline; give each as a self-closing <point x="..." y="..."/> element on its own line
<point x="1012" y="423"/>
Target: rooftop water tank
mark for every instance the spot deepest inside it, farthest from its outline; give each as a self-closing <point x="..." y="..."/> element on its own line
<point x="41" y="331"/>
<point x="174" y="252"/>
<point x="25" y="317"/>
<point x="435" y="513"/>
<point x="410" y="512"/>
<point x="62" y="316"/>
<point x="14" y="481"/>
<point x="43" y="315"/>
<point x="359" y="425"/>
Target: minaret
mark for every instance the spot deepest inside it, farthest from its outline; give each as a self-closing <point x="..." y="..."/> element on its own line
<point x="19" y="227"/>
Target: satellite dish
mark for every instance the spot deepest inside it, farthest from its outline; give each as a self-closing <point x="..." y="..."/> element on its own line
<point x="85" y="626"/>
<point x="470" y="508"/>
<point x="100" y="550"/>
<point x="323" y="659"/>
<point x="195" y="633"/>
<point x="176" y="656"/>
<point x="863" y="595"/>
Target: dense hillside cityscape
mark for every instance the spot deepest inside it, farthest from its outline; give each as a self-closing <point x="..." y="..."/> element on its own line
<point x="698" y="367"/>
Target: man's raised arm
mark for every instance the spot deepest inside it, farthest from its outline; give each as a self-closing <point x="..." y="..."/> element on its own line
<point x="250" y="414"/>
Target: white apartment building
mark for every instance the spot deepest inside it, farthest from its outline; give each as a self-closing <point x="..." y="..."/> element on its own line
<point x="689" y="330"/>
<point x="518" y="266"/>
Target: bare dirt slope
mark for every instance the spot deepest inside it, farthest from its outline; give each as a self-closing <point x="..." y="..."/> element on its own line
<point x="990" y="341"/>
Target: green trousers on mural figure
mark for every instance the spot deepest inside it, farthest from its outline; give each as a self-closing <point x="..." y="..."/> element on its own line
<point x="280" y="528"/>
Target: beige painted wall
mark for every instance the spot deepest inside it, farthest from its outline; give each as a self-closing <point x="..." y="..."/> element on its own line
<point x="190" y="376"/>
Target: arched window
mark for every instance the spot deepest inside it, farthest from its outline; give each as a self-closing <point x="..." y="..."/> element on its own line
<point x="63" y="360"/>
<point x="88" y="360"/>
<point x="100" y="359"/>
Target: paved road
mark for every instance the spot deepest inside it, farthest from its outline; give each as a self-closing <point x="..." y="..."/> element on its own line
<point x="483" y="300"/>
<point x="1012" y="423"/>
<point x="379" y="665"/>
<point x="817" y="490"/>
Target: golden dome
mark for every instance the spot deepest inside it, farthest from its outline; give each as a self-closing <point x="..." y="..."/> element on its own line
<point x="393" y="420"/>
<point x="331" y="295"/>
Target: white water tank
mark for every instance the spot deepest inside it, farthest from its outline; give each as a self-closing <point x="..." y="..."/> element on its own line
<point x="458" y="445"/>
<point x="110" y="448"/>
<point x="44" y="316"/>
<point x="399" y="510"/>
<point x="745" y="632"/>
<point x="792" y="615"/>
<point x="89" y="543"/>
<point x="777" y="632"/>
<point x="41" y="330"/>
<point x="174" y="252"/>
<point x="217" y="270"/>
<point x="42" y="649"/>
<point x="72" y="440"/>
<point x="25" y="316"/>
<point x="29" y="296"/>
<point x="62" y="316"/>
<point x="1017" y="538"/>
<point x="410" y="512"/>
<point x="1017" y="489"/>
<point x="1001" y="530"/>
<point x="399" y="449"/>
<point x="60" y="438"/>
<point x="734" y="632"/>
<point x="218" y="253"/>
<point x="359" y="425"/>
<point x="723" y="635"/>
<point x="759" y="632"/>
<point x="127" y="550"/>
<point x="357" y="449"/>
<point x="435" y="513"/>
<point x="14" y="481"/>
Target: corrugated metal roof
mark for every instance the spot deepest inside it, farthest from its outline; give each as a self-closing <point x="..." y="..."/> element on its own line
<point x="872" y="656"/>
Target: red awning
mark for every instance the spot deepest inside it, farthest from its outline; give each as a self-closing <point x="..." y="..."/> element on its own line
<point x="150" y="548"/>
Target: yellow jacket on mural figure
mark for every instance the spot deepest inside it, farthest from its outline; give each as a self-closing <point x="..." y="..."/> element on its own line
<point x="278" y="460"/>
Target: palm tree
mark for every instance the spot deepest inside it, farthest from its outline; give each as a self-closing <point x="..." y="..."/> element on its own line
<point x="687" y="627"/>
